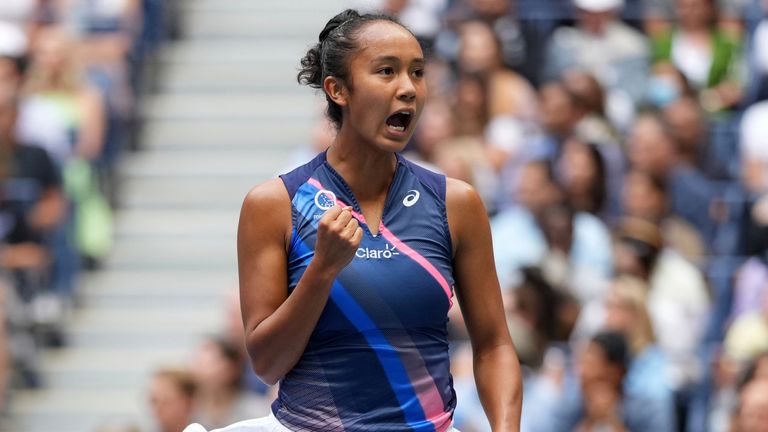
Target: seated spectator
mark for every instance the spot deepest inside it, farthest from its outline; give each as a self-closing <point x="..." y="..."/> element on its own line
<point x="539" y="315"/>
<point x="221" y="399"/>
<point x="754" y="176"/>
<point x="56" y="77"/>
<point x="32" y="207"/>
<point x="709" y="57"/>
<point x="583" y="177"/>
<point x="171" y="399"/>
<point x="589" y="245"/>
<point x="595" y="396"/>
<point x="578" y="255"/>
<point x="678" y="298"/>
<point x="645" y="196"/>
<point x="652" y="148"/>
<point x="666" y="84"/>
<point x="752" y="412"/>
<point x="624" y="309"/>
<point x="750" y="287"/>
<point x="758" y="54"/>
<point x="604" y="46"/>
<point x="687" y="125"/>
<point x="497" y="14"/>
<point x="753" y="148"/>
<point x="747" y="336"/>
<point x="507" y="92"/>
<point x="589" y="93"/>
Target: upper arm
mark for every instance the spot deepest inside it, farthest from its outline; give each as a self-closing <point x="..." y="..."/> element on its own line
<point x="477" y="286"/>
<point x="262" y="236"/>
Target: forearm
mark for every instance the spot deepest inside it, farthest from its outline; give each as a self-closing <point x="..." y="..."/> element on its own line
<point x="277" y="343"/>
<point x="499" y="384"/>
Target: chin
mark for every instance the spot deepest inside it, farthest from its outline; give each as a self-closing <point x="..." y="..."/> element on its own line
<point x="393" y="145"/>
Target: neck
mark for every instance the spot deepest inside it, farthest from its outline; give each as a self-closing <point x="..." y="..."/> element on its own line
<point x="367" y="170"/>
<point x="177" y="425"/>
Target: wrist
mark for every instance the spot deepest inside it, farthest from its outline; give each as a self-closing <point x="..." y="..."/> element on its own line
<point x="322" y="273"/>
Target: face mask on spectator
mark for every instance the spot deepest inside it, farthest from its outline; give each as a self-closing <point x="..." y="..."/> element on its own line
<point x="661" y="91"/>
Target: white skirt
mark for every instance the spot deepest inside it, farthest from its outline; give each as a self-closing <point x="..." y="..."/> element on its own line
<point x="263" y="424"/>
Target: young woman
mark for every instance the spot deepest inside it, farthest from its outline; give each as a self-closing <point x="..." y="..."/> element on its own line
<point x="348" y="263"/>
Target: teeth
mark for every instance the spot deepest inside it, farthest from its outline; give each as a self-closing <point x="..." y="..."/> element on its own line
<point x="397" y="128"/>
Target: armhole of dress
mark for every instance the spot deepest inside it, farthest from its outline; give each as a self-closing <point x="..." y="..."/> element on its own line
<point x="292" y="240"/>
<point x="438" y="184"/>
<point x="443" y="192"/>
<point x="292" y="182"/>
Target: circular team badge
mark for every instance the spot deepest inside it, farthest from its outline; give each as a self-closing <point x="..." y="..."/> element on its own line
<point x="325" y="199"/>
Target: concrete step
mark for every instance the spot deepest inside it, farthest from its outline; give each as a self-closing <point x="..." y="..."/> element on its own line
<point x="325" y="6"/>
<point x="213" y="254"/>
<point x="255" y="23"/>
<point x="286" y="51"/>
<point x="189" y="193"/>
<point x="168" y="223"/>
<point x="256" y="134"/>
<point x="223" y="77"/>
<point x="214" y="106"/>
<point x="202" y="163"/>
<point x="156" y="284"/>
<point x="79" y="410"/>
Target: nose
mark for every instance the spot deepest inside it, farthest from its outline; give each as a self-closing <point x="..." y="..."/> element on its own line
<point x="406" y="90"/>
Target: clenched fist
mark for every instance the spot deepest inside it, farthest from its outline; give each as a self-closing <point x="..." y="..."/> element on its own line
<point x="338" y="237"/>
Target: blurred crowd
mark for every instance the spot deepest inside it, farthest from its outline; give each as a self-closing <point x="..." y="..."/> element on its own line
<point x="71" y="73"/>
<point x="621" y="148"/>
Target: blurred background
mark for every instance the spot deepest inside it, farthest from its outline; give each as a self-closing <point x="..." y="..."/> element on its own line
<point x="620" y="146"/>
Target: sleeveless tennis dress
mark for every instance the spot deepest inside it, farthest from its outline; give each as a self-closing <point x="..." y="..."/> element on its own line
<point x="378" y="357"/>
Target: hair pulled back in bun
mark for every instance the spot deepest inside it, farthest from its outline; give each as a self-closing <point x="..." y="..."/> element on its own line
<point x="330" y="56"/>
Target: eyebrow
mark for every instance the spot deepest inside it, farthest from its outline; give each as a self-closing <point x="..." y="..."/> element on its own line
<point x="418" y="60"/>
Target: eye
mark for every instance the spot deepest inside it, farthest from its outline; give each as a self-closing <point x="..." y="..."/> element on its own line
<point x="386" y="71"/>
<point x="418" y="73"/>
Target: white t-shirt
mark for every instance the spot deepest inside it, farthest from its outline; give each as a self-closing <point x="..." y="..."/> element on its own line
<point x="754" y="138"/>
<point x="760" y="47"/>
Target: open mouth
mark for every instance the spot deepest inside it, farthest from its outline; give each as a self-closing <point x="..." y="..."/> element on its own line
<point x="399" y="121"/>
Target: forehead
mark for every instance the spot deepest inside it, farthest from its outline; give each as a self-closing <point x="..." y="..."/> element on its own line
<point x="383" y="38"/>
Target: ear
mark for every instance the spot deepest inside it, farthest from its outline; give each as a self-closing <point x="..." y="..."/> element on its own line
<point x="336" y="90"/>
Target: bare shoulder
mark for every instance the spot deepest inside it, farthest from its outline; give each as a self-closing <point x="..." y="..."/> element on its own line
<point x="466" y="212"/>
<point x="267" y="208"/>
<point x="461" y="197"/>
<point x="270" y="193"/>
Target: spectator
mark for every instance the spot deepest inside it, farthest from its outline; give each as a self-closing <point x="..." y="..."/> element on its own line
<point x="709" y="57"/>
<point x="171" y="399"/>
<point x="666" y="85"/>
<point x="601" y="44"/>
<point x="626" y="312"/>
<point x="507" y="92"/>
<point x="221" y="399"/>
<point x="687" y="125"/>
<point x="584" y="178"/>
<point x="56" y="77"/>
<point x="595" y="396"/>
<point x="752" y="412"/>
<point x="678" y="297"/>
<point x="652" y="148"/>
<point x="747" y="336"/>
<point x="645" y="197"/>
<point x="32" y="207"/>
<point x="587" y="91"/>
<point x="589" y="250"/>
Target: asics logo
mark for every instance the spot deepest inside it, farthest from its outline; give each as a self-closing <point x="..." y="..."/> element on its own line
<point x="411" y="198"/>
<point x="368" y="253"/>
<point x="325" y="199"/>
